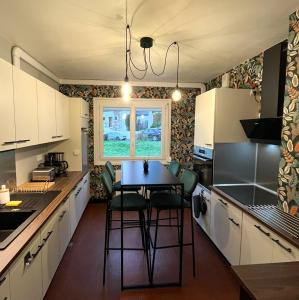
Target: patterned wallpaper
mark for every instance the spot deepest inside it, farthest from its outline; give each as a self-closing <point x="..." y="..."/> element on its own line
<point x="246" y="75"/>
<point x="288" y="190"/>
<point x="182" y="120"/>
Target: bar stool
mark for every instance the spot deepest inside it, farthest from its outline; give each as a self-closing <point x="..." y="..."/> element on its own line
<point x="132" y="202"/>
<point x="166" y="200"/>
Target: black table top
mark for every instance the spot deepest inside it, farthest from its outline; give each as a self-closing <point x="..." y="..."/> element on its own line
<point x="132" y="173"/>
<point x="249" y="194"/>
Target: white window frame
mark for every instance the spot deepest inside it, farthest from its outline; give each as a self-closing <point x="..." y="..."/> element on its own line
<point x="98" y="106"/>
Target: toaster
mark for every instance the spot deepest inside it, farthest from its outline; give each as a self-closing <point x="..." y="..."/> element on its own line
<point x="43" y="174"/>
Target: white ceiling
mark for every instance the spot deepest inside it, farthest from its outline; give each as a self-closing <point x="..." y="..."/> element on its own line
<point x="85" y="39"/>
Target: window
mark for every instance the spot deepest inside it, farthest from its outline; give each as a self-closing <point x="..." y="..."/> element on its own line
<point x="136" y="130"/>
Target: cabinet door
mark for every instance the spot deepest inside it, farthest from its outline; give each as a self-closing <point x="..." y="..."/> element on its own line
<point x="4" y="287"/>
<point x="73" y="213"/>
<point x="85" y="190"/>
<point x="204" y="119"/>
<point x="46" y="113"/>
<point x="283" y="251"/>
<point x="25" y="101"/>
<point x="84" y="109"/>
<point x="233" y="245"/>
<point x="7" y="112"/>
<point x="25" y="274"/>
<point x="62" y="116"/>
<point x="220" y="224"/>
<point x="50" y="251"/>
<point x="256" y="245"/>
<point x="64" y="228"/>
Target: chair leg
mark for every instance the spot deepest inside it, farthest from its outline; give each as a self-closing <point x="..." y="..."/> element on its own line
<point x="192" y="242"/>
<point x="178" y="223"/>
<point x="155" y="244"/>
<point x="169" y="216"/>
<point x="107" y="228"/>
<point x="140" y="213"/>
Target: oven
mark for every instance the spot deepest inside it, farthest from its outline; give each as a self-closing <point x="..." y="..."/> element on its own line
<point x="203" y="165"/>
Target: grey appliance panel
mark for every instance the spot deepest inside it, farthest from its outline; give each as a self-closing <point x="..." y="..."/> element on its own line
<point x="234" y="163"/>
<point x="8" y="169"/>
<point x="268" y="157"/>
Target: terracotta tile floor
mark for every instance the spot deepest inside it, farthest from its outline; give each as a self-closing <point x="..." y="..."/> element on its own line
<point x="79" y="275"/>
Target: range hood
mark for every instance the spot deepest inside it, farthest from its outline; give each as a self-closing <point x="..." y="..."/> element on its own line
<point x="267" y="129"/>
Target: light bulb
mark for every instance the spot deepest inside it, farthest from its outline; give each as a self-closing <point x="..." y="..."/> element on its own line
<point x="126" y="90"/>
<point x="176" y="95"/>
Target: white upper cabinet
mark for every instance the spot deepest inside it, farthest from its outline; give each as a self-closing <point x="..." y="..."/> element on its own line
<point x="46" y="113"/>
<point x="218" y="113"/>
<point x="25" y="103"/>
<point x="62" y="116"/>
<point x="7" y="115"/>
<point x="84" y="109"/>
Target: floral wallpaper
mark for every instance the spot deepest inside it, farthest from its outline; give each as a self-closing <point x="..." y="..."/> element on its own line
<point x="182" y="121"/>
<point x="246" y="75"/>
<point x="288" y="190"/>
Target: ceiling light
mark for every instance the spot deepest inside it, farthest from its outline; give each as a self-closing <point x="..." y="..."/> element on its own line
<point x="146" y="43"/>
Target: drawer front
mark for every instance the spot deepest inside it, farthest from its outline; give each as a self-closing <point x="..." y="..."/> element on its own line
<point x="4" y="287"/>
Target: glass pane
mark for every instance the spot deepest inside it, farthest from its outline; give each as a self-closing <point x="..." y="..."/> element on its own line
<point x="116" y="132"/>
<point x="148" y="132"/>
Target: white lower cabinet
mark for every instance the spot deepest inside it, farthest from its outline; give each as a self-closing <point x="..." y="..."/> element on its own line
<point x="283" y="251"/>
<point x="4" y="287"/>
<point x="226" y="228"/>
<point x="85" y="190"/>
<point x="26" y="273"/>
<point x="50" y="252"/>
<point x="64" y="228"/>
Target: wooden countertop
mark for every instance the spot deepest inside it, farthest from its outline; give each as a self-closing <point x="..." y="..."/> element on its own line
<point x="277" y="281"/>
<point x="65" y="185"/>
<point x="264" y="221"/>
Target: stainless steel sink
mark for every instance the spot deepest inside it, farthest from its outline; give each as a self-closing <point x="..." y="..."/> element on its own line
<point x="11" y="220"/>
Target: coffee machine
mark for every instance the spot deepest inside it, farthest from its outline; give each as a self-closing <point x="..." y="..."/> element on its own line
<point x="56" y="160"/>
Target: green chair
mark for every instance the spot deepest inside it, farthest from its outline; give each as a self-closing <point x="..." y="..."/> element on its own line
<point x="117" y="185"/>
<point x="133" y="202"/>
<point x="168" y="200"/>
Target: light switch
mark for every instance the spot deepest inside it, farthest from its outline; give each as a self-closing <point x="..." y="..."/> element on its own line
<point x="76" y="152"/>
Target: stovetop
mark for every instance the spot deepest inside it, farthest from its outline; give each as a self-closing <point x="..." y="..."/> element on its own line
<point x="249" y="194"/>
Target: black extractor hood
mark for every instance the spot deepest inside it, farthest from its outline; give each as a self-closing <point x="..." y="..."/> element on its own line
<point x="267" y="129"/>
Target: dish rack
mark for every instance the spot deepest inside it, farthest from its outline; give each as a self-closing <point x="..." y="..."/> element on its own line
<point x="34" y="187"/>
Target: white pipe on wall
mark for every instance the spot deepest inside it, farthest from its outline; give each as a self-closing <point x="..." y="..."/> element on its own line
<point x="18" y="54"/>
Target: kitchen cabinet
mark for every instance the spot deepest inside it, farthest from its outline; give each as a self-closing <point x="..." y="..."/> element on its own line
<point x="73" y="210"/>
<point x="26" y="273"/>
<point x="257" y="245"/>
<point x="7" y="113"/>
<point x="50" y="252"/>
<point x="64" y="227"/>
<point x="25" y="107"/>
<point x="62" y="116"/>
<point x="84" y="109"/>
<point x="85" y="190"/>
<point x="262" y="245"/>
<point x="218" y="113"/>
<point x="226" y="228"/>
<point x="4" y="287"/>
<point x="46" y="113"/>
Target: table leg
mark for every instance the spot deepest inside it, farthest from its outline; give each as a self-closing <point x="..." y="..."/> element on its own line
<point x="122" y="240"/>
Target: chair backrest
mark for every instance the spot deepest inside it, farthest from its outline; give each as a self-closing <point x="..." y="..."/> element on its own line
<point x="110" y="169"/>
<point x="106" y="180"/>
<point x="174" y="168"/>
<point x="190" y="180"/>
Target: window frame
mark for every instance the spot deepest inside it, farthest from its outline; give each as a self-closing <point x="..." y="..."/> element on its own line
<point x="98" y="107"/>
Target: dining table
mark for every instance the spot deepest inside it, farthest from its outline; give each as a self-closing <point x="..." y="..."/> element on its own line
<point x="133" y="173"/>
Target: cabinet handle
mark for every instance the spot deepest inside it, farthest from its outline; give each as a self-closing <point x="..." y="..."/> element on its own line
<point x="208" y="144"/>
<point x="62" y="215"/>
<point x="48" y="235"/>
<point x="223" y="202"/>
<point x="28" y="259"/>
<point x="9" y="143"/>
<point x="22" y="141"/>
<point x="234" y="222"/>
<point x="54" y="136"/>
<point x="2" y="280"/>
<point x="85" y="181"/>
<point x="5" y="298"/>
<point x="38" y="250"/>
<point x="59" y="136"/>
<point x="281" y="245"/>
<point x="261" y="230"/>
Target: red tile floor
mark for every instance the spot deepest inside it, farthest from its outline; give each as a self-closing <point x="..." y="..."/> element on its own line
<point x="79" y="275"/>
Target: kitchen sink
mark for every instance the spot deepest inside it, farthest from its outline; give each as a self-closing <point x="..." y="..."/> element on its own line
<point x="11" y="220"/>
<point x="14" y="220"/>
